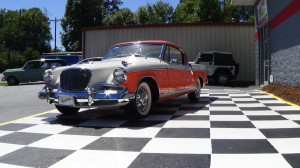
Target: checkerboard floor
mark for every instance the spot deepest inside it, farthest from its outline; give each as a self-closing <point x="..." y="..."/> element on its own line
<point x="226" y="128"/>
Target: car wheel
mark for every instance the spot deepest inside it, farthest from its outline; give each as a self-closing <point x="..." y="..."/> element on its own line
<point x="141" y="105"/>
<point x="222" y="78"/>
<point x="194" y="96"/>
<point x="66" y="110"/>
<point x="11" y="81"/>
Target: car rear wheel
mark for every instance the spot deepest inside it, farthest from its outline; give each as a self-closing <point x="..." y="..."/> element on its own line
<point x="11" y="81"/>
<point x="141" y="105"/>
<point x="194" y="96"/>
<point x="222" y="78"/>
<point x="66" y="110"/>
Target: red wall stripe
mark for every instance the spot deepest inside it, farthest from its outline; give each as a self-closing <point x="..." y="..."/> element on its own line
<point x="287" y="12"/>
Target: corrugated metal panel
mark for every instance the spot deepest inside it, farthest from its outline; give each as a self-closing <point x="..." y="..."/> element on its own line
<point x="237" y="39"/>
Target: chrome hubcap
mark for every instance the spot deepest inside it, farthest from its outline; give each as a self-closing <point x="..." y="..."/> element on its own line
<point x="222" y="78"/>
<point x="142" y="99"/>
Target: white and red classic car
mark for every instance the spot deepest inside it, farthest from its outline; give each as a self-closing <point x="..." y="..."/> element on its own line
<point x="132" y="74"/>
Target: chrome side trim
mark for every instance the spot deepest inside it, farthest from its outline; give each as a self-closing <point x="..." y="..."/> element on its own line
<point x="176" y="92"/>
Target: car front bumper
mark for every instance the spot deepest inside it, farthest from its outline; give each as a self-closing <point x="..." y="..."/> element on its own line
<point x="100" y="95"/>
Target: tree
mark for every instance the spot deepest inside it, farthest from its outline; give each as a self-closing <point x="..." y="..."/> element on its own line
<point x="120" y="18"/>
<point x="84" y="13"/>
<point x="159" y="13"/>
<point x="187" y="12"/>
<point x="210" y="11"/>
<point x="20" y="30"/>
<point x="237" y="13"/>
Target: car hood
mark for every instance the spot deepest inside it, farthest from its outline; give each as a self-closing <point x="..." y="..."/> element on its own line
<point x="13" y="70"/>
<point x="102" y="71"/>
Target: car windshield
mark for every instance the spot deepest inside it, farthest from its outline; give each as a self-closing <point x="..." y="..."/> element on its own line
<point x="138" y="50"/>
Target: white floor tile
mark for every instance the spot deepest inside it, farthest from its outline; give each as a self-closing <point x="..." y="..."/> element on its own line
<point x="59" y="141"/>
<point x="251" y="105"/>
<point x="286" y="145"/>
<point x="292" y="117"/>
<point x="243" y="99"/>
<point x="228" y="118"/>
<point x="275" y="124"/>
<point x="178" y="145"/>
<point x="96" y="159"/>
<point x="149" y="132"/>
<point x="236" y="133"/>
<point x="271" y="102"/>
<point x="248" y="161"/>
<point x="186" y="112"/>
<point x="2" y="133"/>
<point x="11" y="166"/>
<point x="187" y="124"/>
<point x="195" y="105"/>
<point x="222" y="102"/>
<point x="46" y="128"/>
<point x="7" y="148"/>
<point x="224" y="109"/>
<point x="283" y="108"/>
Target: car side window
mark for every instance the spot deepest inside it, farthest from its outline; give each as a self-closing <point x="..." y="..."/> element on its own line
<point x="206" y="58"/>
<point x="44" y="65"/>
<point x="176" y="56"/>
<point x="32" y="65"/>
<point x="55" y="64"/>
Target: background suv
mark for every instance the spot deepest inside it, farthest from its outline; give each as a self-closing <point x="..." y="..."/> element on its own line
<point x="220" y="65"/>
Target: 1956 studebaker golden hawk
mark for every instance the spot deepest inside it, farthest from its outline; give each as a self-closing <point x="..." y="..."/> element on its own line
<point x="132" y="74"/>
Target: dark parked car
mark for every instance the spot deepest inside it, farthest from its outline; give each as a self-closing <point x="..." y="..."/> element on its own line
<point x="220" y="65"/>
<point x="32" y="71"/>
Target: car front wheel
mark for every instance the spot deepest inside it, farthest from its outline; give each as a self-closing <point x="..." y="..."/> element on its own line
<point x="141" y="105"/>
<point x="66" y="110"/>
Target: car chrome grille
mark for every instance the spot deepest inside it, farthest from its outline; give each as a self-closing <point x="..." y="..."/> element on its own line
<point x="75" y="79"/>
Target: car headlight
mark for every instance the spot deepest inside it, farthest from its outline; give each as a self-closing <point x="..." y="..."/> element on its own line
<point x="120" y="75"/>
<point x="48" y="76"/>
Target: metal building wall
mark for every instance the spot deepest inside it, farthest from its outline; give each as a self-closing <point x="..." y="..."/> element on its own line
<point x="236" y="38"/>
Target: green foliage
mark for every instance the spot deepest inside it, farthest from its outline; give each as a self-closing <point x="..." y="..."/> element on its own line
<point x="31" y="54"/>
<point x="238" y="13"/>
<point x="159" y="13"/>
<point x="84" y="13"/>
<point x="187" y="12"/>
<point x="120" y="18"/>
<point x="22" y="31"/>
<point x="210" y="11"/>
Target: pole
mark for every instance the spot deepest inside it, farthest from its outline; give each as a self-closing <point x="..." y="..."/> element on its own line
<point x="55" y="20"/>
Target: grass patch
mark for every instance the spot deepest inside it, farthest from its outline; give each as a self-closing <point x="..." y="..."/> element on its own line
<point x="287" y="93"/>
<point x="31" y="83"/>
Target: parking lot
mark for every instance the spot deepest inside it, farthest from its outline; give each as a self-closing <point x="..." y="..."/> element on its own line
<point x="228" y="127"/>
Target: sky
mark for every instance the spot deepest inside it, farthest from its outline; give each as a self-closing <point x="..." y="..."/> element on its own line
<point x="56" y="9"/>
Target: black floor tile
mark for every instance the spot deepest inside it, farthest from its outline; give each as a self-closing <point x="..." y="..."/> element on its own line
<point x="118" y="144"/>
<point x="293" y="159"/>
<point x="184" y="133"/>
<point x="151" y="160"/>
<point x="231" y="124"/>
<point x="15" y="127"/>
<point x="143" y="123"/>
<point x="281" y="133"/>
<point x="266" y="117"/>
<point x="35" y="157"/>
<point x="22" y="138"/>
<point x="86" y="131"/>
<point x="235" y="146"/>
